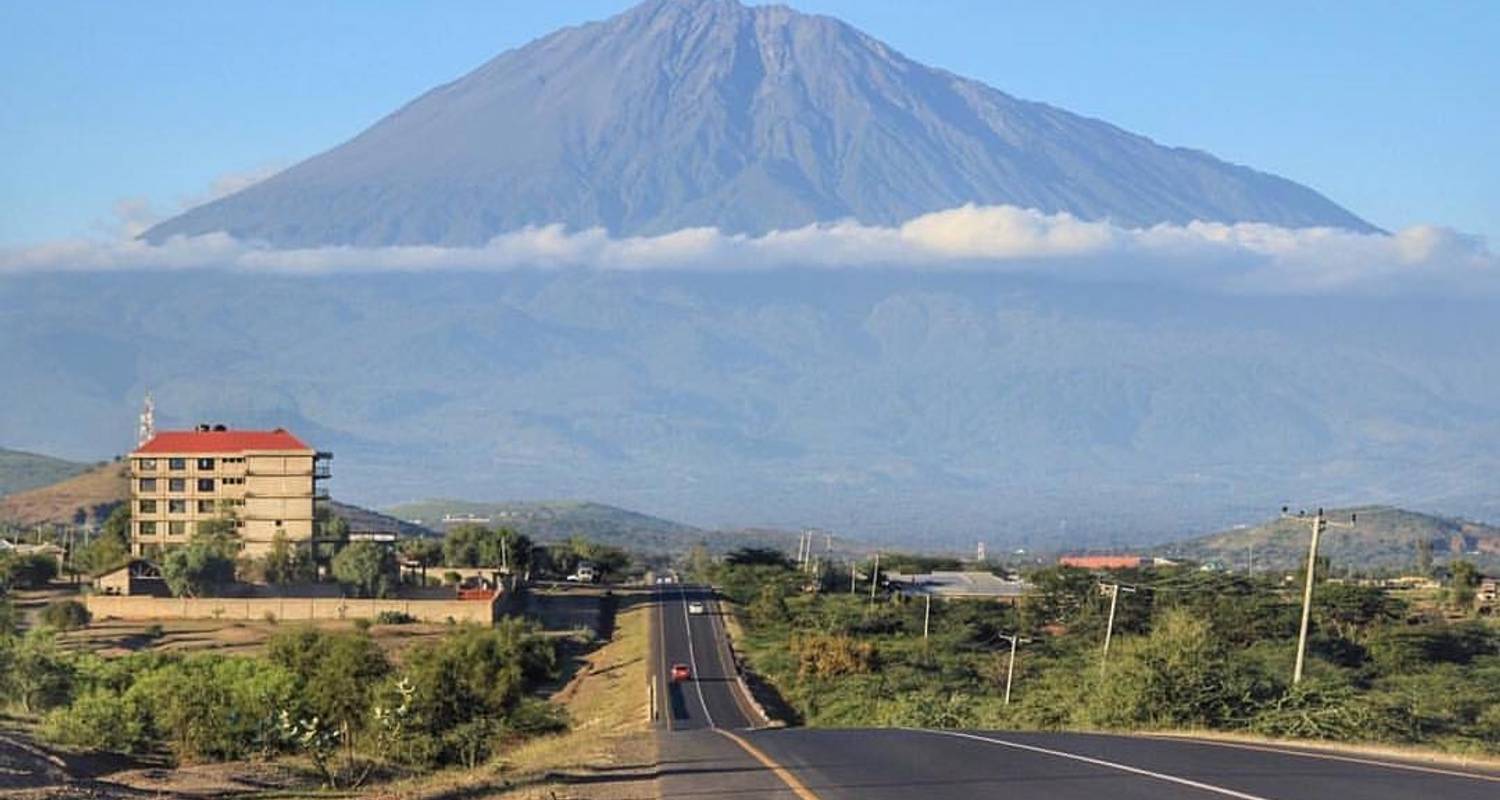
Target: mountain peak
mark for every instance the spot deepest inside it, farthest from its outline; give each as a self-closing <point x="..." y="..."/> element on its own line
<point x="683" y="113"/>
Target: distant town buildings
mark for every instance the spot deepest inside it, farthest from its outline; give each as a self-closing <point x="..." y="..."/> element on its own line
<point x="268" y="481"/>
<point x="958" y="585"/>
<point x="1105" y="562"/>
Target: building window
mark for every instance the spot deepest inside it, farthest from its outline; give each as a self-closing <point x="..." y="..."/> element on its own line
<point x="147" y="529"/>
<point x="205" y="463"/>
<point x="205" y="506"/>
<point x="176" y="506"/>
<point x="145" y="464"/>
<point x="232" y="481"/>
<point x="177" y="464"/>
<point x="177" y="485"/>
<point x="148" y="506"/>
<point x="205" y="484"/>
<point x="176" y="528"/>
<point x="148" y="484"/>
<point x="278" y="523"/>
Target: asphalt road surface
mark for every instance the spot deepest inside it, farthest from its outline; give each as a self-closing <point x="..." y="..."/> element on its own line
<point x="710" y="750"/>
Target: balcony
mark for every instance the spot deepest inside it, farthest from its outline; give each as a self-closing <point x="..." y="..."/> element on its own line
<point x="322" y="470"/>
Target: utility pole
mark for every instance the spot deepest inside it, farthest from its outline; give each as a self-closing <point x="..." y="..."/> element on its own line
<point x="1114" y="590"/>
<point x="853" y="575"/>
<point x="504" y="555"/>
<point x="1319" y="523"/>
<point x="926" y="617"/>
<point x="874" y="577"/>
<point x="1010" y="670"/>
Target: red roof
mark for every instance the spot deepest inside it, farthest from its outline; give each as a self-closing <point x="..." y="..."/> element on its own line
<point x="221" y="442"/>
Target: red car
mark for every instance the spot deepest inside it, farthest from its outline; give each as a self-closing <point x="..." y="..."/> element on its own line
<point x="680" y="672"/>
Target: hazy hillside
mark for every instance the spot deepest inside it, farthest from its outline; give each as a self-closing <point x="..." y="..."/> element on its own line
<point x="363" y="520"/>
<point x="897" y="405"/>
<point x="21" y="471"/>
<point x="560" y="520"/>
<point x="686" y="113"/>
<point x="1382" y="538"/>
<point x="92" y="494"/>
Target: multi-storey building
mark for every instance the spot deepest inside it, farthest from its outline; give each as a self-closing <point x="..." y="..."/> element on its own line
<point x="269" y="481"/>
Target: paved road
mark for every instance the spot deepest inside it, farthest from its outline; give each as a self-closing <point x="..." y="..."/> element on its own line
<point x="707" y="752"/>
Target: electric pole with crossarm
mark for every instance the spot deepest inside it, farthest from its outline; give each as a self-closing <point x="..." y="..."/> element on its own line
<point x="1319" y="523"/>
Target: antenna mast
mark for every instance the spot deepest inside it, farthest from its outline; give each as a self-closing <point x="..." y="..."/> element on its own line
<point x="147" y="428"/>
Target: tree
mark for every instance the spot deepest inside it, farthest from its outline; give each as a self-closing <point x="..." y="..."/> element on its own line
<point x="199" y="565"/>
<point x="1424" y="557"/>
<point x="757" y="556"/>
<point x="1465" y="580"/>
<point x="287" y="562"/>
<point x="111" y="547"/>
<point x="29" y="571"/>
<point x="366" y="569"/>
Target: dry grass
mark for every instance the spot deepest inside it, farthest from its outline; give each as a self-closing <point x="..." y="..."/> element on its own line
<point x="58" y="503"/>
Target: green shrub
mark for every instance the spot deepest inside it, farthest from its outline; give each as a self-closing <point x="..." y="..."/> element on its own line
<point x="212" y="708"/>
<point x="100" y="720"/>
<point x="394" y="618"/>
<point x="65" y="615"/>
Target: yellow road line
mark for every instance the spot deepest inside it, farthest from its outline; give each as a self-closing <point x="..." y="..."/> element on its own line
<point x="1374" y="762"/>
<point x="781" y="772"/>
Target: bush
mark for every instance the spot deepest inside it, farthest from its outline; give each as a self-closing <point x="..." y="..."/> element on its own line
<point x="830" y="655"/>
<point x="30" y="571"/>
<point x="37" y="676"/>
<point x="335" y="674"/>
<point x="472" y="684"/>
<point x="212" y="708"/>
<point x="100" y="720"/>
<point x="394" y="618"/>
<point x="65" y="615"/>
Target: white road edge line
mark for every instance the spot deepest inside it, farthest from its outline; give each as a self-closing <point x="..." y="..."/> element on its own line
<point x="661" y="647"/>
<point x="1293" y="751"/>
<point x="687" y="625"/>
<point x="1207" y="787"/>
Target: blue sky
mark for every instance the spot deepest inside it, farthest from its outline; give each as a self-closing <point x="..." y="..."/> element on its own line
<point x="1391" y="109"/>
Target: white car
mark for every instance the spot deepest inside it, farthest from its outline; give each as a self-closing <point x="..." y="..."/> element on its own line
<point x="695" y="607"/>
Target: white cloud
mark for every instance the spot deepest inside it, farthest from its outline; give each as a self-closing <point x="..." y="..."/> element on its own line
<point x="1243" y="258"/>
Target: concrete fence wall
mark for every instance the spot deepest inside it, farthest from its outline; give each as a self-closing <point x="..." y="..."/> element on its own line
<point x="285" y="608"/>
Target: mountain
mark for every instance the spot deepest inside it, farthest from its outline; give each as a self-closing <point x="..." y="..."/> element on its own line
<point x="1382" y="538"/>
<point x="560" y="520"/>
<point x="20" y="471"/>
<point x="908" y="406"/>
<point x="683" y="113"/>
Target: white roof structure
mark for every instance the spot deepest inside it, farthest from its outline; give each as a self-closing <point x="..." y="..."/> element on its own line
<point x="978" y="585"/>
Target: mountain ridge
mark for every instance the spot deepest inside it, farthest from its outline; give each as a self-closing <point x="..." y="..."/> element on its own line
<point x="692" y="113"/>
<point x="1382" y="537"/>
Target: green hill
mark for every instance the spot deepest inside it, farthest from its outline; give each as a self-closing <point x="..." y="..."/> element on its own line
<point x="20" y="471"/>
<point x="1383" y="538"/>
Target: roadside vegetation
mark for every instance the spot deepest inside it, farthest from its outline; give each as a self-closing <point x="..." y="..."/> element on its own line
<point x="1191" y="650"/>
<point x="334" y="700"/>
